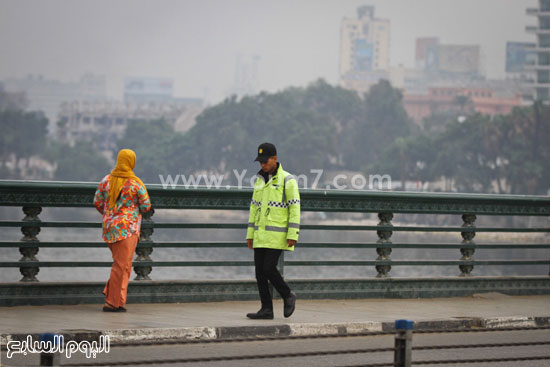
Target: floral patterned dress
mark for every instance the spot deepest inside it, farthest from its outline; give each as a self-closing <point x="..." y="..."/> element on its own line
<point x="124" y="220"/>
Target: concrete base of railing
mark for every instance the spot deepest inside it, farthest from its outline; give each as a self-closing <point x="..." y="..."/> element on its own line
<point x="70" y="293"/>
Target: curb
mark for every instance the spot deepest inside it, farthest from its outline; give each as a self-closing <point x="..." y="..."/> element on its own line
<point x="234" y="332"/>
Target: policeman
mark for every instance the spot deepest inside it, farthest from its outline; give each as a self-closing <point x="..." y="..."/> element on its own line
<point x="273" y="226"/>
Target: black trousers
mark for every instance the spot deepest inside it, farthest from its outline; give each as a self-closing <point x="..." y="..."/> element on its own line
<point x="265" y="261"/>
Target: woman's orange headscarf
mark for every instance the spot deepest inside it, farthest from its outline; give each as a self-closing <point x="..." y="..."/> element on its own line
<point x="125" y="162"/>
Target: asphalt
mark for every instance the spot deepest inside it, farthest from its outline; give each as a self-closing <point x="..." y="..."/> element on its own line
<point x="216" y="320"/>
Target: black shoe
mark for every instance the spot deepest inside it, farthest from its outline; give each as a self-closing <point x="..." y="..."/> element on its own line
<point x="122" y="309"/>
<point x="290" y="304"/>
<point x="263" y="314"/>
<point x="109" y="309"/>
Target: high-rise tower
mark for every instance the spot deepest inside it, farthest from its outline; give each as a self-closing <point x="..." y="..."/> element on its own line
<point x="542" y="65"/>
<point x="364" y="50"/>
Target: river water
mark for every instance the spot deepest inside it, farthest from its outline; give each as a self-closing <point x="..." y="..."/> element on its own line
<point x="203" y="216"/>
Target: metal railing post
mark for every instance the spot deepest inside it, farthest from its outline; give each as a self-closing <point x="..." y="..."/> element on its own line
<point x="143" y="253"/>
<point x="29" y="253"/>
<point x="403" y="343"/>
<point x="467" y="239"/>
<point x="384" y="239"/>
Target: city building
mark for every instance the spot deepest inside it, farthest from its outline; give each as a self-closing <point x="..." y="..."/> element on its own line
<point x="245" y="81"/>
<point x="444" y="73"/>
<point x="439" y="99"/>
<point x="541" y="83"/>
<point x="444" y="66"/>
<point x="364" y="50"/>
<point x="47" y="95"/>
<point x="147" y="89"/>
<point x="104" y="123"/>
<point x="519" y="57"/>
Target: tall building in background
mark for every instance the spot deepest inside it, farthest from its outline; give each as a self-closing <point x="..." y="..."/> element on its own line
<point x="520" y="56"/>
<point x="47" y="95"/>
<point x="520" y="60"/>
<point x="364" y="50"/>
<point x="245" y="81"/>
<point x="542" y="66"/>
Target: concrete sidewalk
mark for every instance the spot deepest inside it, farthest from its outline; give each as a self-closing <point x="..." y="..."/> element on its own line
<point x="228" y="319"/>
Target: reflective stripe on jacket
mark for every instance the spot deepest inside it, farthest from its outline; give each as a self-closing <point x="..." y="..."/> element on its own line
<point x="275" y="211"/>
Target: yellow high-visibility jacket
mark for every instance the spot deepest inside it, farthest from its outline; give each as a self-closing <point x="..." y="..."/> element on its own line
<point x="275" y="211"/>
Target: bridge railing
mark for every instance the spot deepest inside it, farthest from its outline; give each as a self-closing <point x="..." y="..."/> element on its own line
<point x="32" y="197"/>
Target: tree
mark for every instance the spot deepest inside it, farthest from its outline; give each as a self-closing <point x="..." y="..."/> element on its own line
<point x="159" y="149"/>
<point x="526" y="167"/>
<point x="343" y="107"/>
<point x="383" y="120"/>
<point x="462" y="157"/>
<point x="409" y="159"/>
<point x="437" y="121"/>
<point x="12" y="101"/>
<point x="24" y="134"/>
<point x="463" y="102"/>
<point x="226" y="136"/>
<point x="79" y="163"/>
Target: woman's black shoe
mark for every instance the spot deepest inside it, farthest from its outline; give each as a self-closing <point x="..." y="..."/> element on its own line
<point x="109" y="309"/>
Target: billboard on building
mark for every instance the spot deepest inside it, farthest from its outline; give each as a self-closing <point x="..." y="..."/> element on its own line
<point x="147" y="89"/>
<point x="363" y="55"/>
<point x="427" y="52"/>
<point x="518" y="55"/>
<point x="459" y="59"/>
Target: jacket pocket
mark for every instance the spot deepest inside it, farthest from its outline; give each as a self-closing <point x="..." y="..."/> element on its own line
<point x="277" y="217"/>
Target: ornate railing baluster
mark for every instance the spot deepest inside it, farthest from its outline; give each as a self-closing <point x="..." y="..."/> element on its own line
<point x="467" y="239"/>
<point x="29" y="236"/>
<point x="143" y="253"/>
<point x="384" y="239"/>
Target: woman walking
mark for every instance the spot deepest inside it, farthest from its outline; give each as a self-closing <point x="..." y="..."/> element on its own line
<point x="121" y="198"/>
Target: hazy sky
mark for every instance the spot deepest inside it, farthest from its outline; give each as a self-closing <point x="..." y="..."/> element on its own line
<point x="197" y="42"/>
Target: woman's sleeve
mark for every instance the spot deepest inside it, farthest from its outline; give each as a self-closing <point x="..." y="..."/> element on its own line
<point x="100" y="197"/>
<point x="144" y="202"/>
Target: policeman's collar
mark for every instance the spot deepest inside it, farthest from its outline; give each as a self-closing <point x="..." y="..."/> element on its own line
<point x="267" y="176"/>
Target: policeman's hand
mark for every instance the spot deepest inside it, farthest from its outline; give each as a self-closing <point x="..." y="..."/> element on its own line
<point x="250" y="244"/>
<point x="291" y="242"/>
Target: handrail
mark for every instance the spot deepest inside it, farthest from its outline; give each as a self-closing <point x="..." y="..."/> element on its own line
<point x="323" y="227"/>
<point x="32" y="196"/>
<point x="80" y="194"/>
<point x="239" y="244"/>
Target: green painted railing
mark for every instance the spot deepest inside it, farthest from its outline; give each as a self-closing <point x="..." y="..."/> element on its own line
<point x="34" y="196"/>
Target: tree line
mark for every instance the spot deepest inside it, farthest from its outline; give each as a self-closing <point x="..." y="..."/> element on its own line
<point x="318" y="127"/>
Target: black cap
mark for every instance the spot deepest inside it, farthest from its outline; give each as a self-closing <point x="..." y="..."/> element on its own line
<point x="265" y="151"/>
